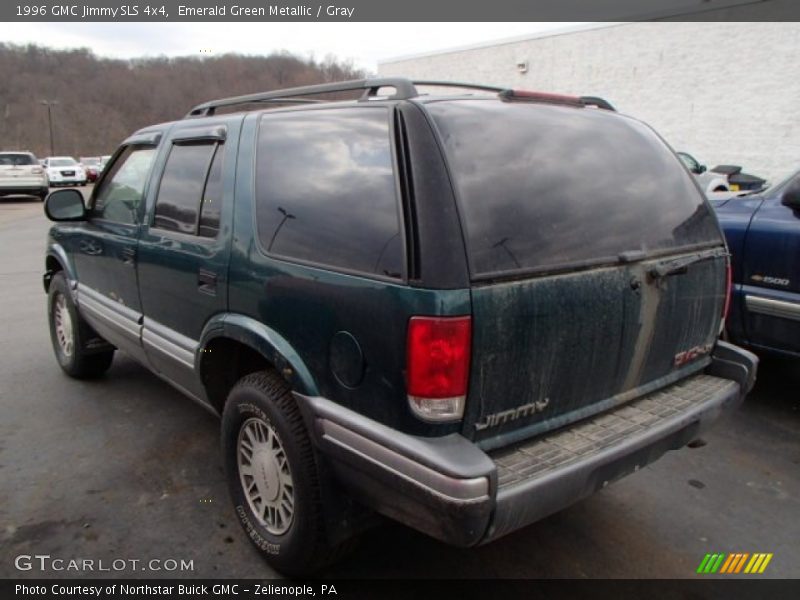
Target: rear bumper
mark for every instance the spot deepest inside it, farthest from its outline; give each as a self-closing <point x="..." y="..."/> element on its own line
<point x="66" y="179"/>
<point x="24" y="188"/>
<point x="449" y="488"/>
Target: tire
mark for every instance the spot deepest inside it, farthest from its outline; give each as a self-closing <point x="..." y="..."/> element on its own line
<point x="72" y="336"/>
<point x="261" y="413"/>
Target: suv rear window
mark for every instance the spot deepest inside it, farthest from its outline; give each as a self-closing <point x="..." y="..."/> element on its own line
<point x="11" y="160"/>
<point x="546" y="187"/>
<point x="326" y="190"/>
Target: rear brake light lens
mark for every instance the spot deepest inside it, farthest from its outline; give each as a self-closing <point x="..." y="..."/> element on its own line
<point x="437" y="363"/>
<point x="541" y="97"/>
<point x="728" y="291"/>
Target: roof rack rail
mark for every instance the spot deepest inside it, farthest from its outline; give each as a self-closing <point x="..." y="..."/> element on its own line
<point x="466" y="86"/>
<point x="403" y="89"/>
<point x="548" y="98"/>
<point x="598" y="102"/>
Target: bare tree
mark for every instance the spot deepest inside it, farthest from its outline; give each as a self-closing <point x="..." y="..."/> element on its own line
<point x="101" y="100"/>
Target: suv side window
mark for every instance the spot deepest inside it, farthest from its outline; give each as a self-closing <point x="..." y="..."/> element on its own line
<point x="121" y="193"/>
<point x="325" y="190"/>
<point x="190" y="193"/>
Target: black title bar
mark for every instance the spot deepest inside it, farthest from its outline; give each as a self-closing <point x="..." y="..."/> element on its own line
<point x="397" y="10"/>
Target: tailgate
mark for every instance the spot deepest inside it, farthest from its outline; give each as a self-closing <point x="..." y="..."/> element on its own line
<point x="11" y="171"/>
<point x="17" y="166"/>
<point x="552" y="350"/>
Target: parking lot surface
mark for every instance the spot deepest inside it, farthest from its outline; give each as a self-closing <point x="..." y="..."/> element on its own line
<point x="127" y="468"/>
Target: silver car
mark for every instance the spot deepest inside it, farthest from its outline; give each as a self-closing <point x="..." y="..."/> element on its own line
<point x="21" y="174"/>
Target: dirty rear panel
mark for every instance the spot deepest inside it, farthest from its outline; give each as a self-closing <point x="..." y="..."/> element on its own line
<point x="576" y="344"/>
<point x="598" y="270"/>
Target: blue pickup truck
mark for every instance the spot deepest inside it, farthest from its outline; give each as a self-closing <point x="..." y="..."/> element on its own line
<point x="763" y="233"/>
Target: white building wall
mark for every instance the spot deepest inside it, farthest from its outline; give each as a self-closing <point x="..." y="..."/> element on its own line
<point x="728" y="93"/>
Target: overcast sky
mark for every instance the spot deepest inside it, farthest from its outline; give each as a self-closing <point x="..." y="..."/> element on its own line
<point x="362" y="43"/>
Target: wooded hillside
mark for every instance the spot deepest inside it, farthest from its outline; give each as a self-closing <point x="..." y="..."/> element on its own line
<point x="101" y="101"/>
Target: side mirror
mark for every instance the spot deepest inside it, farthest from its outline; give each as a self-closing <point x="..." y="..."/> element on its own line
<point x="65" y="205"/>
<point x="791" y="196"/>
<point x="701" y="169"/>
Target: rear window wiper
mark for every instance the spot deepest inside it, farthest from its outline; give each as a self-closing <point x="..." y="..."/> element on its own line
<point x="679" y="266"/>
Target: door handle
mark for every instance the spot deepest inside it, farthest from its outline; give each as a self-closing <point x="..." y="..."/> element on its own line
<point x="207" y="282"/>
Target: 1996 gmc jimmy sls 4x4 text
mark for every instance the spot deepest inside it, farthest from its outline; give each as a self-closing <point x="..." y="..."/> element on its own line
<point x="464" y="312"/>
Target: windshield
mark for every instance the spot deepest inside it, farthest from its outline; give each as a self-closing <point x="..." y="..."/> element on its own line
<point x="91" y="162"/>
<point x="16" y="159"/>
<point x="62" y="162"/>
<point x="543" y="187"/>
<point x="689" y="161"/>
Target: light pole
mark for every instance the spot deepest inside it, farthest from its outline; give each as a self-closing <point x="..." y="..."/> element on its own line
<point x="49" y="104"/>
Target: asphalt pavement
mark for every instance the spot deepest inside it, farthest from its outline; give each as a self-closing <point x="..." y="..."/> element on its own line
<point x="125" y="468"/>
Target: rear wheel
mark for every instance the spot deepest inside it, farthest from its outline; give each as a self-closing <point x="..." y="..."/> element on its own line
<point x="80" y="352"/>
<point x="272" y="474"/>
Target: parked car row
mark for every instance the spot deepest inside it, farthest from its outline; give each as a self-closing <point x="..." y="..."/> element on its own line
<point x="21" y="173"/>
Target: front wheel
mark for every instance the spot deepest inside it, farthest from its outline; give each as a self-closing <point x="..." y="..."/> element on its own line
<point x="74" y="342"/>
<point x="272" y="474"/>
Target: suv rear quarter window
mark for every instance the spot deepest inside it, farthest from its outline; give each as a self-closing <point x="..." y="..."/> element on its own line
<point x="326" y="190"/>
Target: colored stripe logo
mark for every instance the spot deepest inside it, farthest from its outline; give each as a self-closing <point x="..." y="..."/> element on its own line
<point x="737" y="562"/>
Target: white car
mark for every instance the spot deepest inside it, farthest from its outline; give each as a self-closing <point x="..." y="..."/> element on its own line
<point x="64" y="170"/>
<point x="709" y="181"/>
<point x="21" y="174"/>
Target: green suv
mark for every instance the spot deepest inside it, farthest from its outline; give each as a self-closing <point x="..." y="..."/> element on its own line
<point x="463" y="312"/>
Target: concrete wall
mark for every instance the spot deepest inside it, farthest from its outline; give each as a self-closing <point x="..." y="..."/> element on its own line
<point x="725" y="92"/>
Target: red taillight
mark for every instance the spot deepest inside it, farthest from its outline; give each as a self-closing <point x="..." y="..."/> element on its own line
<point x="728" y="291"/>
<point x="437" y="363"/>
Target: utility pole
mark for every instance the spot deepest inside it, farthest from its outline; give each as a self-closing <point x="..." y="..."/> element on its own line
<point x="49" y="104"/>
